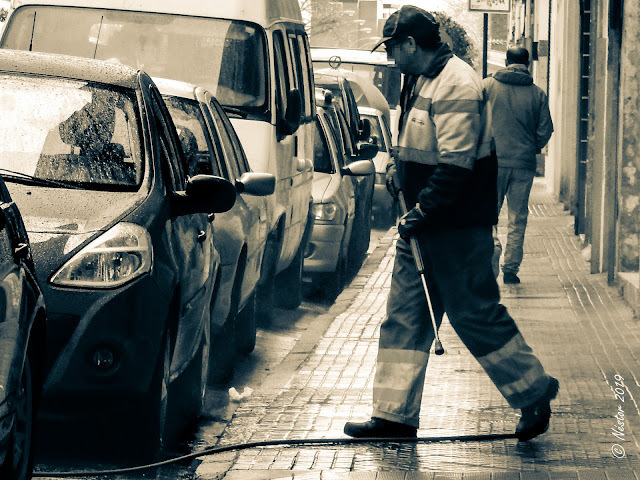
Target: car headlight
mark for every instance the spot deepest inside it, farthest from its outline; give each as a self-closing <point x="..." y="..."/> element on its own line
<point x="111" y="260"/>
<point x="325" y="212"/>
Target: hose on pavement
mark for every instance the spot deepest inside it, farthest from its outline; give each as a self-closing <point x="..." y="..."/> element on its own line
<point x="271" y="443"/>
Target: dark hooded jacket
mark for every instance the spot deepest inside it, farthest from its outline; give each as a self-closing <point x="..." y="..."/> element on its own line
<point x="519" y="116"/>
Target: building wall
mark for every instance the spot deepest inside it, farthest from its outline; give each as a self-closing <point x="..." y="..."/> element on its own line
<point x="629" y="168"/>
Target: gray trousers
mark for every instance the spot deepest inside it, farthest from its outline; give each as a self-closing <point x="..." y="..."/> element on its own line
<point x="461" y="283"/>
<point x="514" y="184"/>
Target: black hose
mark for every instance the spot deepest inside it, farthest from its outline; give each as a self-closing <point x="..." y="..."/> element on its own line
<point x="271" y="443"/>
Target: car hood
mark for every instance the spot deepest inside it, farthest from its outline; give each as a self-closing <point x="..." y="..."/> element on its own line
<point x="325" y="186"/>
<point x="71" y="212"/>
<point x="59" y="220"/>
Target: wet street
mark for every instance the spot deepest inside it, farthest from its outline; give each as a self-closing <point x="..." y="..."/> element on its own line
<point x="313" y="370"/>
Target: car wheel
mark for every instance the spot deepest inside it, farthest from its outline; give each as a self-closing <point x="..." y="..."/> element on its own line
<point x="18" y="464"/>
<point x="222" y="354"/>
<point x="246" y="327"/>
<point x="153" y="413"/>
<point x="265" y="290"/>
<point x="334" y="281"/>
<point x="289" y="282"/>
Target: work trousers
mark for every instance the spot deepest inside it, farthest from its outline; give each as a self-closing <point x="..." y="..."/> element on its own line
<point x="461" y="283"/>
<point x="514" y="184"/>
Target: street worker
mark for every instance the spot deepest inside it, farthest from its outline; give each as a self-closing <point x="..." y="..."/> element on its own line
<point x="446" y="167"/>
<point x="521" y="126"/>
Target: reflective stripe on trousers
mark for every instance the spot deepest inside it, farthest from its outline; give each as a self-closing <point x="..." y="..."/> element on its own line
<point x="461" y="282"/>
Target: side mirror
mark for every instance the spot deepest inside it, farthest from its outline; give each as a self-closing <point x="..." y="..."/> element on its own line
<point x="367" y="151"/>
<point x="292" y="117"/>
<point x="365" y="128"/>
<point x="359" y="168"/>
<point x="209" y="194"/>
<point x="258" y="184"/>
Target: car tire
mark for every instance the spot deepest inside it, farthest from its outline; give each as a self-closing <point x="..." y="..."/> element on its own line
<point x="246" y="327"/>
<point x="265" y="290"/>
<point x="222" y="356"/>
<point x="289" y="282"/>
<point x="335" y="281"/>
<point x="18" y="463"/>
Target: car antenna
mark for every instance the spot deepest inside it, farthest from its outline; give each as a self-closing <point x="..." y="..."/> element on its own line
<point x="95" y="50"/>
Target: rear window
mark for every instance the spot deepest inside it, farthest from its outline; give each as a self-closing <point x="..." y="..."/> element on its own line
<point x="70" y="131"/>
<point x="227" y="57"/>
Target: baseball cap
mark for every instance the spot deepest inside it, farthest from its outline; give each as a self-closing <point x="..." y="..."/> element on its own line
<point x="410" y="21"/>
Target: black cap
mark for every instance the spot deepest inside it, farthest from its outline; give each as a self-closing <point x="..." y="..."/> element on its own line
<point x="411" y="21"/>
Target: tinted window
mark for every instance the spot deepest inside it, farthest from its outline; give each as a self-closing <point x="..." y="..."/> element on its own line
<point x="78" y="132"/>
<point x="173" y="161"/>
<point x="321" y="154"/>
<point x="193" y="134"/>
<point x="227" y="57"/>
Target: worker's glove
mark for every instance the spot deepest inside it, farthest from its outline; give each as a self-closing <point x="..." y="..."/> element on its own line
<point x="412" y="222"/>
<point x="391" y="181"/>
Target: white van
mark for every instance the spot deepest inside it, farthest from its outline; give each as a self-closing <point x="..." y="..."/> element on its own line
<point x="253" y="55"/>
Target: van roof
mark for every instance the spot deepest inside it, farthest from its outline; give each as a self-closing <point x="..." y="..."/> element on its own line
<point x="262" y="12"/>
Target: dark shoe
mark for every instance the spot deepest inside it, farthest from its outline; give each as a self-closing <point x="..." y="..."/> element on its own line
<point x="509" y="277"/>
<point x="379" y="428"/>
<point x="535" y="418"/>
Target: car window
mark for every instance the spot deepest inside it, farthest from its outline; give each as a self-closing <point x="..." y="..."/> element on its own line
<point x="173" y="161"/>
<point x="240" y="156"/>
<point x="227" y="145"/>
<point x="282" y="77"/>
<point x="70" y="131"/>
<point x="321" y="154"/>
<point x="227" y="57"/>
<point x="193" y="134"/>
<point x="376" y="136"/>
<point x="307" y="75"/>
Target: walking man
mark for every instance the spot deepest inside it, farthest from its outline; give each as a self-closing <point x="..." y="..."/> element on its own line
<point x="446" y="167"/>
<point x="521" y="125"/>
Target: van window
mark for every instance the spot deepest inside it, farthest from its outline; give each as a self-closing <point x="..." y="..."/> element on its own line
<point x="282" y="78"/>
<point x="226" y="57"/>
<point x="306" y="76"/>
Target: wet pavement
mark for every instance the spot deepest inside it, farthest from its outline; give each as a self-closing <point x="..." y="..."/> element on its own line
<point x="581" y="329"/>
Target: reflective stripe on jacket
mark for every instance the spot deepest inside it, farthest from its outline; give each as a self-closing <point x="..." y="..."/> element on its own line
<point x="446" y="125"/>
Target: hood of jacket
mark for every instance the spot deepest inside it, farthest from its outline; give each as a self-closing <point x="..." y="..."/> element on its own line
<point x="515" y="74"/>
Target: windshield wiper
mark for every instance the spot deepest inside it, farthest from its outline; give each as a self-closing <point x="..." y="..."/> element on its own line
<point x="30" y="179"/>
<point x="233" y="111"/>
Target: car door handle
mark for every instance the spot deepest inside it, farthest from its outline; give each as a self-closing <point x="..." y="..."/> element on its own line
<point x="211" y="217"/>
<point x="21" y="250"/>
<point x="202" y="235"/>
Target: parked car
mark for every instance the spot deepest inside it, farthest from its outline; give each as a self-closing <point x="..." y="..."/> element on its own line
<point x="253" y="55"/>
<point x="23" y="331"/>
<point x="212" y="147"/>
<point x="123" y="242"/>
<point x="334" y="201"/>
<point x="354" y="131"/>
<point x="385" y="210"/>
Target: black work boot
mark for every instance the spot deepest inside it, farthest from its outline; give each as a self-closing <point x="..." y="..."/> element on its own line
<point x="510" y="278"/>
<point x="535" y="417"/>
<point x="379" y="428"/>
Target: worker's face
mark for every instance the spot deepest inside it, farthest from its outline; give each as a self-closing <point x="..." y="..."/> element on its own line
<point x="402" y="53"/>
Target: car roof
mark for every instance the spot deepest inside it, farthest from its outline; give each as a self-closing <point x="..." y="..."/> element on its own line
<point x="262" y="12"/>
<point x="65" y="66"/>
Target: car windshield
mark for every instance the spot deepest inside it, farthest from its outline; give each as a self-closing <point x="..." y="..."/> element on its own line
<point x="68" y="132"/>
<point x="385" y="77"/>
<point x="376" y="132"/>
<point x="224" y="56"/>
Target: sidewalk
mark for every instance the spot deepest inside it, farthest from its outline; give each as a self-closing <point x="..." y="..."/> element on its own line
<point x="580" y="328"/>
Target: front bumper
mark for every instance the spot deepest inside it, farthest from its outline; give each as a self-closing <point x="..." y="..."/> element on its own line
<point x="323" y="250"/>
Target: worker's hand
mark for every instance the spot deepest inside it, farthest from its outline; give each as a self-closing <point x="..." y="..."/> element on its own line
<point x="412" y="222"/>
<point x="391" y="181"/>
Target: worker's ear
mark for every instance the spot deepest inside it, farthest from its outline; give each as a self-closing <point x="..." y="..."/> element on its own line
<point x="410" y="45"/>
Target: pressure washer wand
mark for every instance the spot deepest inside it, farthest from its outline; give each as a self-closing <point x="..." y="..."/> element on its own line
<point x="417" y="256"/>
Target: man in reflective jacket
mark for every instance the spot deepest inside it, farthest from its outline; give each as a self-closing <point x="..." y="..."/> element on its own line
<point x="446" y="167"/>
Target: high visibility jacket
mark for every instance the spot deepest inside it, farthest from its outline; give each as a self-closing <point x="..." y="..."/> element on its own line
<point x="445" y="157"/>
